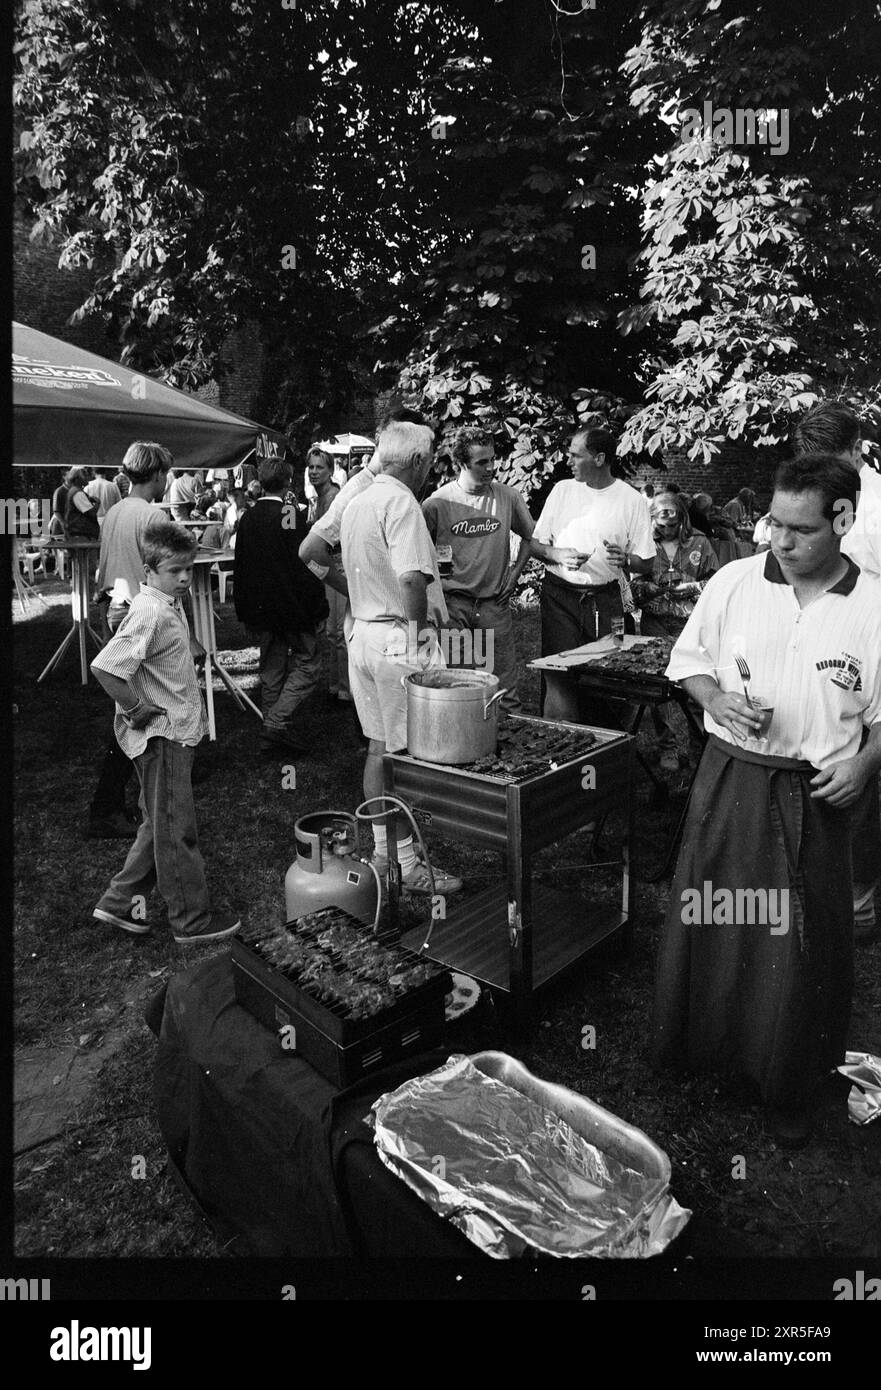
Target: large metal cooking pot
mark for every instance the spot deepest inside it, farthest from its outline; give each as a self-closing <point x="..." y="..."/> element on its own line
<point x="452" y="716"/>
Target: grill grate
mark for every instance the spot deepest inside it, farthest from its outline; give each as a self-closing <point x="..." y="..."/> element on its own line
<point x="529" y="749"/>
<point x="349" y="972"/>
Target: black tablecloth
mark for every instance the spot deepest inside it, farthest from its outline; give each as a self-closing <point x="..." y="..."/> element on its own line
<point x="279" y="1161"/>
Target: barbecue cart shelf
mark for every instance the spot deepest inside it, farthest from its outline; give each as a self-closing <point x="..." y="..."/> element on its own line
<point x="514" y="936"/>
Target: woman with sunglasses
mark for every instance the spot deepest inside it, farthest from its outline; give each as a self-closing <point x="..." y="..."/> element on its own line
<point x="684" y="561"/>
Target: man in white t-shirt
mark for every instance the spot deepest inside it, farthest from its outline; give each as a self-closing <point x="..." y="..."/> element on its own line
<point x="104" y="492"/>
<point x="592" y="534"/>
<point x="184" y="491"/>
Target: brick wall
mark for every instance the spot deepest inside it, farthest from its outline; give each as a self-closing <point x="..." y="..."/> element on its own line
<point x="737" y="466"/>
<point x="44" y="296"/>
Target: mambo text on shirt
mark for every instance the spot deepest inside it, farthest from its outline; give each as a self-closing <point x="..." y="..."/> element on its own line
<point x="484" y="527"/>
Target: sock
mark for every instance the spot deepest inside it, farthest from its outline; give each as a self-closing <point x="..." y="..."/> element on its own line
<point x="406" y="855"/>
<point x="380" y="840"/>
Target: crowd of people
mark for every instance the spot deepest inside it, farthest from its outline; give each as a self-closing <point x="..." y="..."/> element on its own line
<point x="387" y="565"/>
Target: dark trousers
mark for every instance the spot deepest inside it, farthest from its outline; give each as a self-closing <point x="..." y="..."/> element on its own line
<point x="571" y="616"/>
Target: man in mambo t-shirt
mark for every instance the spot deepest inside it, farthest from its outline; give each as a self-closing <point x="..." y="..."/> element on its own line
<point x="473" y="517"/>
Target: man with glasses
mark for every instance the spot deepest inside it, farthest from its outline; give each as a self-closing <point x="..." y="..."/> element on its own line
<point x="593" y="533"/>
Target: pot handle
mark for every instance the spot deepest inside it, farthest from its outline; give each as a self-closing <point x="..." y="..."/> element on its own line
<point x="498" y="695"/>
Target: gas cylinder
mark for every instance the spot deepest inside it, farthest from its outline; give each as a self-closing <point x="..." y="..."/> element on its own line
<point x="327" y="871"/>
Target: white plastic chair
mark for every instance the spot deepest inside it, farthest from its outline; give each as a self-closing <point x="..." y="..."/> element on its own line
<point x="224" y="578"/>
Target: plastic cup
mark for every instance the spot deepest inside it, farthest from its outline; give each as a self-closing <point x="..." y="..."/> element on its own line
<point x="762" y="704"/>
<point x="618" y="631"/>
<point x="445" y="560"/>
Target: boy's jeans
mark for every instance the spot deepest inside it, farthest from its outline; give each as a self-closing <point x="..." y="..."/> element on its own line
<point x="165" y="853"/>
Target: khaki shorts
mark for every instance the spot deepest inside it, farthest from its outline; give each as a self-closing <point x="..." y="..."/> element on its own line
<point x="378" y="660"/>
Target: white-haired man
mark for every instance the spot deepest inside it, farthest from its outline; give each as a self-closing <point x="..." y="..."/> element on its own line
<point x="397" y="606"/>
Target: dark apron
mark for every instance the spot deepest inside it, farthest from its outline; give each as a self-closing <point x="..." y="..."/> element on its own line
<point x="773" y="1006"/>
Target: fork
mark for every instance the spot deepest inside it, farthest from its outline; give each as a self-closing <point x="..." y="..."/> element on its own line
<point x="745" y="678"/>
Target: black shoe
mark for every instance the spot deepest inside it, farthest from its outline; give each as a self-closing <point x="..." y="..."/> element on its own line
<point x="219" y="924"/>
<point x="275" y="742"/>
<point x="117" y="826"/>
<point x="128" y="923"/>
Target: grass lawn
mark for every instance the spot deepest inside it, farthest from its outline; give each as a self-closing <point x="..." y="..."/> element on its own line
<point x="81" y="987"/>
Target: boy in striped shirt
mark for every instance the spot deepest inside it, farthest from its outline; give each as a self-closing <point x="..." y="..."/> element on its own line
<point x="147" y="667"/>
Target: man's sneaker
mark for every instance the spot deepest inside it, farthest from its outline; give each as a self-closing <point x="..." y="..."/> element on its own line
<point x="418" y="880"/>
<point x="128" y="922"/>
<point x="219" y="924"/>
<point x="117" y="826"/>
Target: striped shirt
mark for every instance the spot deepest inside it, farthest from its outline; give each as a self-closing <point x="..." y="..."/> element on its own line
<point x="151" y="650"/>
<point x="383" y="536"/>
<point x="819" y="666"/>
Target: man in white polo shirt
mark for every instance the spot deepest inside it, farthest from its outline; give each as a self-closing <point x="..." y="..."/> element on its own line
<point x="831" y="427"/>
<point x="593" y="532"/>
<point x="397" y="606"/>
<point x="755" y="968"/>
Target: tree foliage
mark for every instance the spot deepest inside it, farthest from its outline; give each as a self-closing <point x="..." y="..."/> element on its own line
<point x="760" y="269"/>
<point x="485" y="204"/>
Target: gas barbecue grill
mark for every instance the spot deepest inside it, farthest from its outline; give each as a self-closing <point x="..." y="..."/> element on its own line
<point x="344" y="999"/>
<point x="619" y="673"/>
<point x="510" y="935"/>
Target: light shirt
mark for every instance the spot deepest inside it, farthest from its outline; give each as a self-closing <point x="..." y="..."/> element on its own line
<point x="328" y="526"/>
<point x="477" y="526"/>
<point x="105" y="493"/>
<point x="121" y="564"/>
<point x="151" y="650"/>
<point x="383" y="536"/>
<point x="182" y="496"/>
<point x="863" y="541"/>
<point x="583" y="517"/>
<point x="819" y="666"/>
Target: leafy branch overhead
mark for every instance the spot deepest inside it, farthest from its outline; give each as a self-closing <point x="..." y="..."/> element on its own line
<point x="492" y="206"/>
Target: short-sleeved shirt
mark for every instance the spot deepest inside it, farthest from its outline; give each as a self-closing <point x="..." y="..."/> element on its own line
<point x="182" y="496"/>
<point x="477" y="526"/>
<point x="583" y="517"/>
<point x="328" y="526"/>
<point x="151" y="650"/>
<point x="105" y="493"/>
<point x="384" y="536"/>
<point x="863" y="541"/>
<point x="820" y="665"/>
<point x="121" y="564"/>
